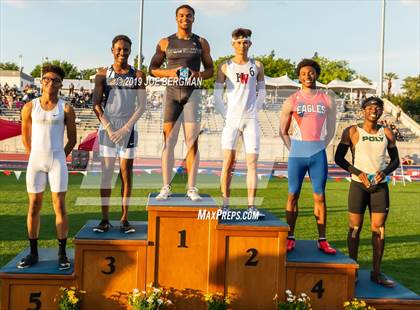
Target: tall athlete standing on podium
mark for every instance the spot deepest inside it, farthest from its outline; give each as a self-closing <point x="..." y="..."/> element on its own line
<point x="310" y="114"/>
<point x="119" y="99"/>
<point x="43" y="122"/>
<point x="244" y="79"/>
<point x="368" y="188"/>
<point x="184" y="52"/>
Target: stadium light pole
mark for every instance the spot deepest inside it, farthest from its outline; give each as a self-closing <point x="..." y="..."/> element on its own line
<point x="380" y="88"/>
<point x="139" y="60"/>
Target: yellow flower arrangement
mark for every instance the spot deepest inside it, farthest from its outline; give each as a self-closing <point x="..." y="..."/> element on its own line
<point x="356" y="304"/>
<point x="70" y="298"/>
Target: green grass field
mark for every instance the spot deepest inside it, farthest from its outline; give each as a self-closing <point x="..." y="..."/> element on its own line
<point x="402" y="251"/>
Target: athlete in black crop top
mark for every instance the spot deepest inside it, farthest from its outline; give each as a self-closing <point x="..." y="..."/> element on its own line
<point x="184" y="52"/>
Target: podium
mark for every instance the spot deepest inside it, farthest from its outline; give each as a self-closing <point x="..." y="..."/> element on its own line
<point x="327" y="279"/>
<point x="180" y="247"/>
<point x="251" y="258"/>
<point x="109" y="265"/>
<point x="191" y="249"/>
<point x="35" y="287"/>
<point x="399" y="297"/>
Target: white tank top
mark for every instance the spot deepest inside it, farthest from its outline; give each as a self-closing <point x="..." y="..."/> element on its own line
<point x="241" y="88"/>
<point x="369" y="152"/>
<point x="47" y="127"/>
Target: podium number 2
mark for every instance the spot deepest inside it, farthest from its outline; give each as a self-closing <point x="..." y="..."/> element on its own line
<point x="111" y="265"/>
<point x="251" y="261"/>
<point x="318" y="288"/>
<point x="34" y="299"/>
<point x="182" y="239"/>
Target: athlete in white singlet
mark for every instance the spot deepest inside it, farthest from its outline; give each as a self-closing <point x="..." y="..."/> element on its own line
<point x="245" y="88"/>
<point x="43" y="123"/>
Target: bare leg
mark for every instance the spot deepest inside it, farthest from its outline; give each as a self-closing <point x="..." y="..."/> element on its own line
<point x="61" y="222"/>
<point x="226" y="176"/>
<point x="107" y="165"/>
<point x="251" y="177"/>
<point x="320" y="212"/>
<point x="170" y="133"/>
<point x="126" y="175"/>
<point x="292" y="211"/>
<point x="33" y="220"/>
<point x="191" y="131"/>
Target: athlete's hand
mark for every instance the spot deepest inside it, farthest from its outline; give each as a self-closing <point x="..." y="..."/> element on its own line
<point x="119" y="135"/>
<point x="379" y="176"/>
<point x="363" y="177"/>
<point x="195" y="75"/>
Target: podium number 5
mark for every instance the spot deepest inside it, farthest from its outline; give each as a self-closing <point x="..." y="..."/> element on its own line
<point x="34" y="299"/>
<point x="111" y="265"/>
<point x="318" y="288"/>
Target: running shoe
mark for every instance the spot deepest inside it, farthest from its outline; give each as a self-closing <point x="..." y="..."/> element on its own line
<point x="165" y="193"/>
<point x="192" y="194"/>
<point x="254" y="209"/>
<point x="28" y="261"/>
<point x="126" y="228"/>
<point x="325" y="247"/>
<point x="103" y="226"/>
<point x="381" y="279"/>
<point x="290" y="244"/>
<point x="63" y="262"/>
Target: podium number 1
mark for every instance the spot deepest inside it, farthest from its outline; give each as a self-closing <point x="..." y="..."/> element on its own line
<point x="318" y="288"/>
<point x="110" y="265"/>
<point x="34" y="299"/>
<point x="182" y="239"/>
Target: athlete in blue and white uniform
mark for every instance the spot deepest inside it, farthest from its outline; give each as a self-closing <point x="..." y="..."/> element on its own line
<point x="119" y="99"/>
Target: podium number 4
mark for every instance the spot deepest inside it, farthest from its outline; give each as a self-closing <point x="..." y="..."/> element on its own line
<point x="111" y="265"/>
<point x="318" y="288"/>
<point x="34" y="299"/>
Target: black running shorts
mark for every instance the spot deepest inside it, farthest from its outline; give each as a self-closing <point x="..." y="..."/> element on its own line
<point x="375" y="198"/>
<point x="182" y="103"/>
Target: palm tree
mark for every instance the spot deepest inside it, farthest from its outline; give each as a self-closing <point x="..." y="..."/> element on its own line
<point x="389" y="76"/>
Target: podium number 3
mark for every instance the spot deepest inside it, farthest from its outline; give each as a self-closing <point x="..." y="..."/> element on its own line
<point x="318" y="288"/>
<point x="251" y="261"/>
<point x="110" y="265"/>
<point x="182" y="239"/>
<point x="34" y="299"/>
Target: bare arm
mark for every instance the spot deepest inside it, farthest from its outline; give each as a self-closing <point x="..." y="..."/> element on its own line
<point x="98" y="93"/>
<point x="27" y="126"/>
<point x="206" y="60"/>
<point x="158" y="59"/>
<point x="331" y="119"/>
<point x="285" y="120"/>
<point x="70" y="121"/>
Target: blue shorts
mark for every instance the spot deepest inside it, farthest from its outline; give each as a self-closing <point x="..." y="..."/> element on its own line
<point x="317" y="168"/>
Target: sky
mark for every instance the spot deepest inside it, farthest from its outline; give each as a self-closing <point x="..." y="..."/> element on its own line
<point x="81" y="31"/>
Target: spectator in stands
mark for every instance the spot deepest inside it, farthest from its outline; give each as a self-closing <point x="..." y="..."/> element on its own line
<point x="398" y="114"/>
<point x="71" y="89"/>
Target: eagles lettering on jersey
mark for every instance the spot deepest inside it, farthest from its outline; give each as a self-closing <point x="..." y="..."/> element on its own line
<point x="303" y="108"/>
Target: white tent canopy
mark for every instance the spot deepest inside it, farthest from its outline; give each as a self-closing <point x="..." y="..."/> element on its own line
<point x="320" y="85"/>
<point x="358" y="84"/>
<point x="282" y="81"/>
<point x="338" y="84"/>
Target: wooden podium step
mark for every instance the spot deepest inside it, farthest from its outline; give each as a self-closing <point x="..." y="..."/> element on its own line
<point x="180" y="248"/>
<point x="398" y="297"/>
<point x="35" y="287"/>
<point x="327" y="279"/>
<point x="251" y="261"/>
<point x="109" y="265"/>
